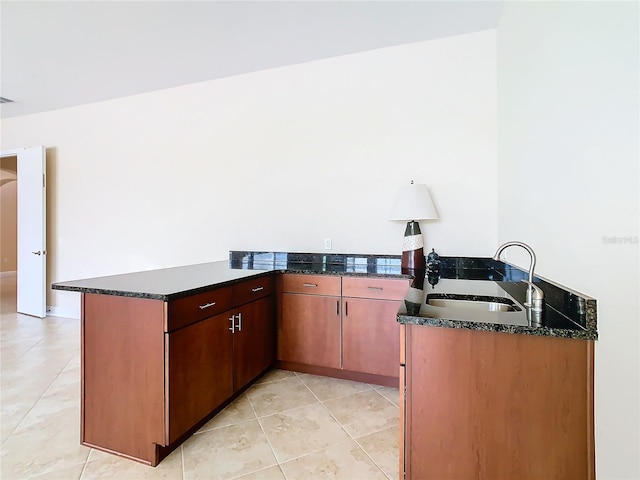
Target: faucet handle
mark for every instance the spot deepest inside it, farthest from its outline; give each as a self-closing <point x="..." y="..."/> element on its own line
<point x="535" y="296"/>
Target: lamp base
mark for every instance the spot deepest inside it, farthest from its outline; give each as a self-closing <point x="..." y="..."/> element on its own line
<point x="413" y="248"/>
<point x="415" y="295"/>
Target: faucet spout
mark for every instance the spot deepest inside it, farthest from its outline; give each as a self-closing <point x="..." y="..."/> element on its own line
<point x="532" y="266"/>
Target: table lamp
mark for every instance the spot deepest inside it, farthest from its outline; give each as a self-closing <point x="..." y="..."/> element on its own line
<point x="412" y="204"/>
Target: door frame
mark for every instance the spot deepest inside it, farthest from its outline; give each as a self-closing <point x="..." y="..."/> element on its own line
<point x="16" y="153"/>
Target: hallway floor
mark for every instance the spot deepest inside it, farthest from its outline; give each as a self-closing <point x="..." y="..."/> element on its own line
<point x="286" y="426"/>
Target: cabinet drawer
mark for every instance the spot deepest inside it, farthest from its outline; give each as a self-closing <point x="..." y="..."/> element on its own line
<point x="187" y="310"/>
<point x="379" y="288"/>
<point x="252" y="289"/>
<point x="311" y="284"/>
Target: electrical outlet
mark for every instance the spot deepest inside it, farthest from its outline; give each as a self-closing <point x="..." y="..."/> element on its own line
<point x="327" y="244"/>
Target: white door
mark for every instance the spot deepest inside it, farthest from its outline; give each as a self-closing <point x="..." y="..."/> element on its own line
<point x="32" y="233"/>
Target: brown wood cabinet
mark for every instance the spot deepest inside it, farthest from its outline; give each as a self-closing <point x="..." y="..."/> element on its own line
<point x="153" y="371"/>
<point x="254" y="343"/>
<point x="496" y="405"/>
<point x="341" y="326"/>
<point x="122" y="398"/>
<point x="309" y="321"/>
<point x="200" y="372"/>
<point x="370" y="332"/>
<point x="370" y="336"/>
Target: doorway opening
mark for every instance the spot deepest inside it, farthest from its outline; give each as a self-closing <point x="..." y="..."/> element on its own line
<point x="31" y="235"/>
<point x="8" y="229"/>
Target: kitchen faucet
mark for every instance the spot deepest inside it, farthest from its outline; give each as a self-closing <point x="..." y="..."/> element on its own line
<point x="535" y="295"/>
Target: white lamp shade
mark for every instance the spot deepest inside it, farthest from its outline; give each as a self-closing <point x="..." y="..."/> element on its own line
<point x="413" y="202"/>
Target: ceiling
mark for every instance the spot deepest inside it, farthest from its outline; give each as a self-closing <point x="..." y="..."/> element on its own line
<point x="58" y="54"/>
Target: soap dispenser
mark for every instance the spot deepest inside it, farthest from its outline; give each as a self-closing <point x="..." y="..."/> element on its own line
<point x="433" y="268"/>
<point x="433" y="262"/>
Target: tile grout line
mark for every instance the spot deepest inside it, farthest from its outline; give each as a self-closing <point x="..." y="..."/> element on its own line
<point x="355" y="440"/>
<point x="370" y="457"/>
<point x="182" y="457"/>
<point x="344" y="428"/>
<point x="296" y="408"/>
<point x="37" y="401"/>
<point x="266" y="437"/>
<point x="84" y="467"/>
<point x="388" y="400"/>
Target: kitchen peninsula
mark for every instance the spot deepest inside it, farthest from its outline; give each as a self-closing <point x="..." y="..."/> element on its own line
<point x="162" y="351"/>
<point x="165" y="350"/>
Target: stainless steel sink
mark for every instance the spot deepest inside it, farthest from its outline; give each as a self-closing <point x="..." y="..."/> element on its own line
<point x="473" y="302"/>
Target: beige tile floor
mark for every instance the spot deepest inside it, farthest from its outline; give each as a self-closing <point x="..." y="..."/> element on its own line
<point x="286" y="426"/>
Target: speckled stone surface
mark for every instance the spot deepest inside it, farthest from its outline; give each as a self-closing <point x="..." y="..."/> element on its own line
<point x="319" y="263"/>
<point x="163" y="284"/>
<point x="176" y="282"/>
<point x="497" y="327"/>
<point x="567" y="314"/>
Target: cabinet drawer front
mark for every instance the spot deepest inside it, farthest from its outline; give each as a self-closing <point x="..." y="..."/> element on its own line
<point x="380" y="288"/>
<point x="311" y="284"/>
<point x="253" y="289"/>
<point x="187" y="310"/>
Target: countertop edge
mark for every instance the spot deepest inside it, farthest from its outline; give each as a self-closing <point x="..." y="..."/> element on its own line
<point x="497" y="327"/>
<point x="204" y="288"/>
<point x="227" y="278"/>
<point x="167" y="297"/>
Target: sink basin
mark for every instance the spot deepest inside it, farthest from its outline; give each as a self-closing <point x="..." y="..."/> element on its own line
<point x="473" y="302"/>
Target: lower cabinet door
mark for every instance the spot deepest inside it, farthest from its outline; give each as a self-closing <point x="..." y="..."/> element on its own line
<point x="199" y="372"/>
<point x="497" y="406"/>
<point x="309" y="330"/>
<point x="254" y="341"/>
<point x="370" y="336"/>
<point x="123" y="375"/>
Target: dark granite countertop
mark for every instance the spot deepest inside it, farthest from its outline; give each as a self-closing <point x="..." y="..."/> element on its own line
<point x="319" y="263"/>
<point x="163" y="284"/>
<point x="176" y="282"/>
<point x="566" y="313"/>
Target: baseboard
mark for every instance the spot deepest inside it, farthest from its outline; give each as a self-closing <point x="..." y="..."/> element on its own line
<point x="338" y="373"/>
<point x="63" y="312"/>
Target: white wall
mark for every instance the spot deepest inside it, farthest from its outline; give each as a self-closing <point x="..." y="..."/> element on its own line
<point x="568" y="136"/>
<point x="279" y="159"/>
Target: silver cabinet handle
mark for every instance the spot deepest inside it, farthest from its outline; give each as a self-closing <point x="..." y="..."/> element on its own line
<point x="239" y="325"/>
<point x="232" y="327"/>
<point x="378" y="289"/>
<point x="206" y="305"/>
<point x="309" y="284"/>
<point x="257" y="289"/>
